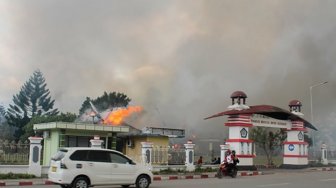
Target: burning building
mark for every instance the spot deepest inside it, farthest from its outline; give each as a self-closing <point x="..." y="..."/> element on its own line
<point x="111" y="128"/>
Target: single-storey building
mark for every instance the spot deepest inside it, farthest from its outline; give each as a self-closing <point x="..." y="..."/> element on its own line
<point x="124" y="138"/>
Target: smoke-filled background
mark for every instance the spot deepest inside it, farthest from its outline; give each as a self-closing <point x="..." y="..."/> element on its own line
<point x="179" y="60"/>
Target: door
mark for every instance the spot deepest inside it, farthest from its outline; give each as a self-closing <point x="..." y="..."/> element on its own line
<point x="123" y="171"/>
<point x="99" y="163"/>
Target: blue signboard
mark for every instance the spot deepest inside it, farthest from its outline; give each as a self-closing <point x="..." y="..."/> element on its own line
<point x="291" y="147"/>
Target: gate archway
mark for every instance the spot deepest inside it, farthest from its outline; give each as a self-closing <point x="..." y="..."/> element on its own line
<point x="242" y="117"/>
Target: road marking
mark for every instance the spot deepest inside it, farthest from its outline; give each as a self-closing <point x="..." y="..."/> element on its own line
<point x="328" y="180"/>
<point x="270" y="185"/>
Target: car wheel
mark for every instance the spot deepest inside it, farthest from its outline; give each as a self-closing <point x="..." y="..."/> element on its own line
<point x="125" y="186"/>
<point x="80" y="182"/>
<point x="142" y="181"/>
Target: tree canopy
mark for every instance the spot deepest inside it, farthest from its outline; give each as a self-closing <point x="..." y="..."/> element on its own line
<point x="106" y="101"/>
<point x="32" y="100"/>
<point x="2" y="113"/>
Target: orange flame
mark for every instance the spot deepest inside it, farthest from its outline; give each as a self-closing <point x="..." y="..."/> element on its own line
<point x="116" y="117"/>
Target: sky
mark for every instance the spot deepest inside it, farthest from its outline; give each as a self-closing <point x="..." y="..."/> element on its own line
<point x="179" y="60"/>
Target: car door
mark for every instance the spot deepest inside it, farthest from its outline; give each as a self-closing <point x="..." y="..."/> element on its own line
<point x="100" y="165"/>
<point x="123" y="171"/>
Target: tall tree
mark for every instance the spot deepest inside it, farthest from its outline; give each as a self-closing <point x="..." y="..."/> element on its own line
<point x="2" y="113"/>
<point x="6" y="132"/>
<point x="269" y="140"/>
<point x="106" y="101"/>
<point x="32" y="100"/>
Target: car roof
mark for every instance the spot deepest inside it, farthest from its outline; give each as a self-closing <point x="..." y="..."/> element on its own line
<point x="87" y="148"/>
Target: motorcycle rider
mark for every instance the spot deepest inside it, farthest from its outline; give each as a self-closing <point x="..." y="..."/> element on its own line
<point x="234" y="157"/>
<point x="228" y="161"/>
<point x="231" y="160"/>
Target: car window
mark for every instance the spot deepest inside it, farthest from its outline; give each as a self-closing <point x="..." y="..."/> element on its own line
<point x="117" y="158"/>
<point x="79" y="155"/>
<point x="59" y="155"/>
<point x="99" y="156"/>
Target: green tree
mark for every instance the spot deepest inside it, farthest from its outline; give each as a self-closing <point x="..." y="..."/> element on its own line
<point x="32" y="100"/>
<point x="268" y="139"/>
<point x="106" y="101"/>
<point x="6" y="132"/>
<point x="2" y="114"/>
<point x="63" y="117"/>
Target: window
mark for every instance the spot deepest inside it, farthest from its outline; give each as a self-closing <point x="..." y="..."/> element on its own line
<point x="117" y="158"/>
<point x="79" y="155"/>
<point x="59" y="155"/>
<point x="72" y="141"/>
<point x="99" y="156"/>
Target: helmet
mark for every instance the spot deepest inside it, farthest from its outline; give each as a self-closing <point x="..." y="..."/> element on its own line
<point x="228" y="151"/>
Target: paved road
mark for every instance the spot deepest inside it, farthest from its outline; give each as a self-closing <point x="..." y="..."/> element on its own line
<point x="318" y="179"/>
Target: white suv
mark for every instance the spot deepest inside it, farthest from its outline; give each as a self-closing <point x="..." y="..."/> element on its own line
<point x="83" y="167"/>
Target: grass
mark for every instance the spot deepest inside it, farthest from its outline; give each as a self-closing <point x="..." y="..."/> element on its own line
<point x="262" y="160"/>
<point x="11" y="175"/>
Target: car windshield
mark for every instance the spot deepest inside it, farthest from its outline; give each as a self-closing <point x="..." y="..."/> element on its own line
<point x="59" y="155"/>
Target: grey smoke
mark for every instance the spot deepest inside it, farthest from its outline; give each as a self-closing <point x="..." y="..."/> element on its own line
<point x="184" y="58"/>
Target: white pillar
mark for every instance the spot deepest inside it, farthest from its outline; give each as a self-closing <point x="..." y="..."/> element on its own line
<point x="190" y="158"/>
<point x="35" y="167"/>
<point x="324" y="158"/>
<point x="223" y="148"/>
<point x="146" y="152"/>
<point x="96" y="142"/>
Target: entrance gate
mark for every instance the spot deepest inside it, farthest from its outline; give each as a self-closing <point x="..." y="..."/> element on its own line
<point x="242" y="117"/>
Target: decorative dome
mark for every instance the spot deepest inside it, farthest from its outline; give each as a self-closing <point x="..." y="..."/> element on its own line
<point x="238" y="97"/>
<point x="294" y="103"/>
<point x="238" y="94"/>
<point x="295" y="107"/>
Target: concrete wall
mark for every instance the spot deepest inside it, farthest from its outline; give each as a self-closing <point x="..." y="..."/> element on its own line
<point x="19" y="169"/>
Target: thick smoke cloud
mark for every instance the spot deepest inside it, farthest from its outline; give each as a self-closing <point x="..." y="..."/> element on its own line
<point x="180" y="60"/>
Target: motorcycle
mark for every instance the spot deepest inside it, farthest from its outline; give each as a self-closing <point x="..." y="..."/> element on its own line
<point x="225" y="170"/>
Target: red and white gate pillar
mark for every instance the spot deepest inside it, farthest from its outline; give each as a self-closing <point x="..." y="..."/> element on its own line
<point x="295" y="148"/>
<point x="239" y="141"/>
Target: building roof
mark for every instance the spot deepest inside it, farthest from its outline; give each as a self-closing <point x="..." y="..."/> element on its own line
<point x="80" y="126"/>
<point x="267" y="110"/>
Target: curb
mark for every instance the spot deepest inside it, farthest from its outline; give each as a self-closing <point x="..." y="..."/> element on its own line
<point x="25" y="183"/>
<point x="201" y="176"/>
<point x="323" y="169"/>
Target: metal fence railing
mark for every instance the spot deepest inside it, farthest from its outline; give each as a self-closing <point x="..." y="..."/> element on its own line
<point x="167" y="156"/>
<point x="12" y="152"/>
